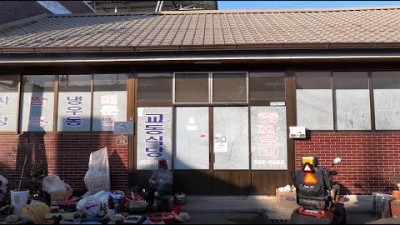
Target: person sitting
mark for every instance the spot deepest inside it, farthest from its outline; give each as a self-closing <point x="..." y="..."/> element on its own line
<point x="160" y="183"/>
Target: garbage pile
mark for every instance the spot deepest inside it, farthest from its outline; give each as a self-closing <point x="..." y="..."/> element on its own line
<point x="63" y="205"/>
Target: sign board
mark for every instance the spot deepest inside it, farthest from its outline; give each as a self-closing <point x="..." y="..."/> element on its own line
<point x="277" y="103"/>
<point x="297" y="132"/>
<point x="122" y="140"/>
<point x="125" y="127"/>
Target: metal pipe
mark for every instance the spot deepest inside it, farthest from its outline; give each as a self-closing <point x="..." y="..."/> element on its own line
<point x="22" y="174"/>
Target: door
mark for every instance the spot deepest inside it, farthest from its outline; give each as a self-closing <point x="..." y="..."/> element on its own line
<point x="191" y="138"/>
<point x="231" y="138"/>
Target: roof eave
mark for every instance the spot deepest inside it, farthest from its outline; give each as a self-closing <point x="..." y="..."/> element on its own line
<point x="197" y="48"/>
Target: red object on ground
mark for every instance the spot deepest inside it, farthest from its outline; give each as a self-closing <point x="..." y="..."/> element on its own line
<point x="176" y="209"/>
<point x="167" y="217"/>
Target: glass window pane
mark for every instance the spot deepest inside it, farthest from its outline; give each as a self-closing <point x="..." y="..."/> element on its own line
<point x="352" y="101"/>
<point x="350" y="80"/>
<point x="191" y="139"/>
<point x="268" y="138"/>
<point x="386" y="99"/>
<point x="267" y="86"/>
<point x="229" y="87"/>
<point x="9" y="103"/>
<point x="109" y="100"/>
<point x="313" y="80"/>
<point x="37" y="103"/>
<point x="191" y="87"/>
<point x="314" y="100"/>
<point x="154" y="87"/>
<point x="386" y="80"/>
<point x="231" y="138"/>
<point x="74" y="102"/>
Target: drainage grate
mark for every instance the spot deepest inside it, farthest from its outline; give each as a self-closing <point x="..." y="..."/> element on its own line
<point x="279" y="221"/>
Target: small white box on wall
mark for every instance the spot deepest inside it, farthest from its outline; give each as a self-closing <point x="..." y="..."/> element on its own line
<point x="297" y="132"/>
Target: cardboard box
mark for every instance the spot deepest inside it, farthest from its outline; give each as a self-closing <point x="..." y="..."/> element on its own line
<point x="61" y="196"/>
<point x="286" y="198"/>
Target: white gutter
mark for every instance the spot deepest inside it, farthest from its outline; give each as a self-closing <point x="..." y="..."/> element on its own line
<point x="85" y="59"/>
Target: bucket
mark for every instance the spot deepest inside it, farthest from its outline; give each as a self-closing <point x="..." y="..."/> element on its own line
<point x="180" y="198"/>
<point x="18" y="199"/>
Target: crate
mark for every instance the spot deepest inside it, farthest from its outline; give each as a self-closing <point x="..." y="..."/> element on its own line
<point x="286" y="198"/>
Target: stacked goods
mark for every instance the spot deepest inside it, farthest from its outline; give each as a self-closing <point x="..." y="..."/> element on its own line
<point x="136" y="207"/>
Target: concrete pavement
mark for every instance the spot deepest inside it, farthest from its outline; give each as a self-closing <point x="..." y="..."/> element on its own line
<point x="265" y="209"/>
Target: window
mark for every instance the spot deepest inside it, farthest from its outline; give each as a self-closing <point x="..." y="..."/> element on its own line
<point x="314" y="100"/>
<point x="352" y="101"/>
<point x="74" y="102"/>
<point x="191" y="87"/>
<point x="154" y="87"/>
<point x="229" y="87"/>
<point x="37" y="103"/>
<point x="109" y="101"/>
<point x="267" y="86"/>
<point x="268" y="138"/>
<point x="9" y="103"/>
<point x="386" y="100"/>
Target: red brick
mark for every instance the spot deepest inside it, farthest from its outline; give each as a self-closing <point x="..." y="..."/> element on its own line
<point x="66" y="155"/>
<point x="359" y="151"/>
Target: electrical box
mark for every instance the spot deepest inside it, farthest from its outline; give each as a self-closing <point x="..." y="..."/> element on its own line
<point x="297" y="132"/>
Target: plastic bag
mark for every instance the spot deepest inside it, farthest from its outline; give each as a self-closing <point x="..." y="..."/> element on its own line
<point x="91" y="207"/>
<point x="379" y="202"/>
<point x="53" y="183"/>
<point x="3" y="181"/>
<point x="91" y="204"/>
<point x="97" y="178"/>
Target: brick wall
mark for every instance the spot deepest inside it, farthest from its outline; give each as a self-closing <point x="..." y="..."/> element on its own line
<point x="370" y="160"/>
<point x="65" y="155"/>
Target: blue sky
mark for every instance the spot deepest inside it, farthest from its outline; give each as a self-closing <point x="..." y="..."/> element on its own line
<point x="301" y="4"/>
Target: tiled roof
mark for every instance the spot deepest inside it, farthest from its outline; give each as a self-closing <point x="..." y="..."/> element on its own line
<point x="206" y="30"/>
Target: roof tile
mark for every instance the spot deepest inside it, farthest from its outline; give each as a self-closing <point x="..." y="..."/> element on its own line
<point x="208" y="28"/>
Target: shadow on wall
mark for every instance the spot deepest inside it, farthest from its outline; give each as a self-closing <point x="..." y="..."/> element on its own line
<point x="198" y="182"/>
<point x="31" y="158"/>
<point x="31" y="146"/>
<point x="72" y="153"/>
<point x="69" y="156"/>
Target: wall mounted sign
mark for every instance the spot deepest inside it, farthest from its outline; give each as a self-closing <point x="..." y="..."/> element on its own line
<point x="277" y="103"/>
<point x="122" y="140"/>
<point x="125" y="127"/>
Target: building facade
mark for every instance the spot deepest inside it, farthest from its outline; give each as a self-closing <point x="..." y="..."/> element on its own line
<point x="11" y="11"/>
<point x="213" y="92"/>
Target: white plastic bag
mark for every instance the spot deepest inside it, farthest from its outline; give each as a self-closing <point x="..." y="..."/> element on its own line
<point x="53" y="183"/>
<point x="91" y="204"/>
<point x="3" y="180"/>
<point x="97" y="178"/>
